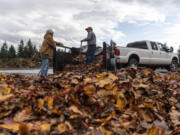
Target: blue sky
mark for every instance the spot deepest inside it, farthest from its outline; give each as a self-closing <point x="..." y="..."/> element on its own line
<point x="121" y="20"/>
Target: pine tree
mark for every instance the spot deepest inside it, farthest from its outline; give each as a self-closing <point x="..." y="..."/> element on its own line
<point x="35" y="50"/>
<point x="12" y="52"/>
<point x="30" y="48"/>
<point x="4" y="50"/>
<point x="26" y="52"/>
<point x="21" y="49"/>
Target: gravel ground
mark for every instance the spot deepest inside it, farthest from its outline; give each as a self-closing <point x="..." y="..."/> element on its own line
<point x="34" y="72"/>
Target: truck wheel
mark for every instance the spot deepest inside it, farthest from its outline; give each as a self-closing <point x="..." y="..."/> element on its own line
<point x="173" y="66"/>
<point x="133" y="62"/>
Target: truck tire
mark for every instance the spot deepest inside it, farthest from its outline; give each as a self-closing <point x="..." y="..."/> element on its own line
<point x="133" y="62"/>
<point x="173" y="66"/>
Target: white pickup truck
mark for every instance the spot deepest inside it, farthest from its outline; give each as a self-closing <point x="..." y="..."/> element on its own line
<point x="147" y="53"/>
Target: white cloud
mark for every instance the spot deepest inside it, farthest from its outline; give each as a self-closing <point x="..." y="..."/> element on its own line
<point x="23" y="19"/>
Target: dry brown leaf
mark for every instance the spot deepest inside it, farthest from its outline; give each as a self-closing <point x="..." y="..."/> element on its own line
<point x="5" y="97"/>
<point x="105" y="131"/>
<point x="146" y="115"/>
<point x="62" y="128"/>
<point x="75" y="109"/>
<point x="89" y="89"/>
<point x="74" y="81"/>
<point x="112" y="77"/>
<point x="120" y="104"/>
<point x="45" y="127"/>
<point x="102" y="83"/>
<point x="24" y="129"/>
<point x="10" y="126"/>
<point x="21" y="116"/>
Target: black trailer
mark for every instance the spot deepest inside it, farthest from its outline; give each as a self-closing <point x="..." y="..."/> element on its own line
<point x="62" y="56"/>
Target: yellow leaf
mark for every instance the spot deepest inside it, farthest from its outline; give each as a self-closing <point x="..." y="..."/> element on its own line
<point x="45" y="127"/>
<point x="148" y="106"/>
<point x="11" y="126"/>
<point x="100" y="76"/>
<point x="50" y="103"/>
<point x="120" y="104"/>
<point x="8" y="90"/>
<point x="74" y="116"/>
<point x="152" y="131"/>
<point x="62" y="128"/>
<point x="115" y="90"/>
<point x="55" y="111"/>
<point x="105" y="131"/>
<point x="41" y="103"/>
<point x="104" y="121"/>
<point x="2" y="73"/>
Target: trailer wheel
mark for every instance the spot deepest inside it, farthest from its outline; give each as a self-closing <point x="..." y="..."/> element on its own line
<point x="133" y="62"/>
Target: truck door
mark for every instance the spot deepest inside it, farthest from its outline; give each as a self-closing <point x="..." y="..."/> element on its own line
<point x="155" y="54"/>
<point x="164" y="55"/>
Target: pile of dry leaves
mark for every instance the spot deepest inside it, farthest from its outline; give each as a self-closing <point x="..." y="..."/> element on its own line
<point x="79" y="63"/>
<point x="131" y="102"/>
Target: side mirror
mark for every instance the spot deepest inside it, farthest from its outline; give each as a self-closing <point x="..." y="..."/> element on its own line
<point x="171" y="49"/>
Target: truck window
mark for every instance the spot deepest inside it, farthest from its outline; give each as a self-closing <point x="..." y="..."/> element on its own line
<point x="154" y="46"/>
<point x="139" y="45"/>
<point x="161" y="47"/>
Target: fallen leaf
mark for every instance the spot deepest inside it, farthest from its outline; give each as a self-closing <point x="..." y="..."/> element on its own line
<point x="5" y="97"/>
<point x="50" y="102"/>
<point x="75" y="110"/>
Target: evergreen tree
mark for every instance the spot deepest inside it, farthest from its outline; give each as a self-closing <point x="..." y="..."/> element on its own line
<point x="21" y="49"/>
<point x="12" y="52"/>
<point x="4" y="50"/>
<point x="30" y="49"/>
<point x="35" y="50"/>
<point x="26" y="52"/>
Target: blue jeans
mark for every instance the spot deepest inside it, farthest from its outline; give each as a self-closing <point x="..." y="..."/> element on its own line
<point x="44" y="65"/>
<point x="90" y="54"/>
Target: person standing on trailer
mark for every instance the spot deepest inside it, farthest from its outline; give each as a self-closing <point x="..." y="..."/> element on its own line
<point x="91" y="42"/>
<point x="46" y="51"/>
